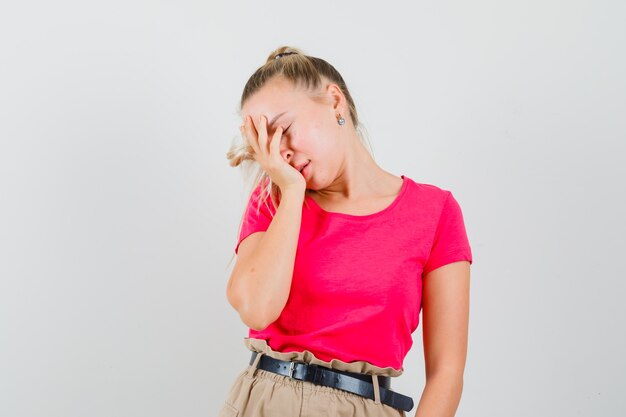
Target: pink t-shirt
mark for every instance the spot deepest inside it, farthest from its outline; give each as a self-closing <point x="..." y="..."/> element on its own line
<point x="356" y="290"/>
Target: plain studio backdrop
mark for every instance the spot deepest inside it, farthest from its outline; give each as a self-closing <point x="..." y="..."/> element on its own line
<point x="119" y="211"/>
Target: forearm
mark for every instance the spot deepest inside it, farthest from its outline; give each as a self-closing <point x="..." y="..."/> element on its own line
<point x="441" y="396"/>
<point x="263" y="282"/>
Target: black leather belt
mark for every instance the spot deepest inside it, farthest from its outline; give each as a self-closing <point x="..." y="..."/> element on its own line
<point x="354" y="382"/>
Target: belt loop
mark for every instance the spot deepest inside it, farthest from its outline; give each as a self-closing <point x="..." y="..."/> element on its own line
<point x="252" y="368"/>
<point x="376" y="389"/>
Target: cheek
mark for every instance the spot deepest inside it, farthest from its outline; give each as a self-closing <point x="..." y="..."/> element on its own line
<point x="297" y="140"/>
<point x="313" y="140"/>
<point x="307" y="138"/>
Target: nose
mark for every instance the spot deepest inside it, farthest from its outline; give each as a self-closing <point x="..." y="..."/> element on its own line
<point x="287" y="155"/>
<point x="285" y="151"/>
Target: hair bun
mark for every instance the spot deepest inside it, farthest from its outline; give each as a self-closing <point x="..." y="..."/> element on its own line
<point x="282" y="54"/>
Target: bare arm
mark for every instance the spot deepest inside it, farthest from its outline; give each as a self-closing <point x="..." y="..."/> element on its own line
<point x="445" y="303"/>
<point x="259" y="285"/>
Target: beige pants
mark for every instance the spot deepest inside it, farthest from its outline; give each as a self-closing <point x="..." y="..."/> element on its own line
<point x="260" y="393"/>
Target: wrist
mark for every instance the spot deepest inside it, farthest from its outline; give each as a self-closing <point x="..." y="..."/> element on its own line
<point x="293" y="192"/>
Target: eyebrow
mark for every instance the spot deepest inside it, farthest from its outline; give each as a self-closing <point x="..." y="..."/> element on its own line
<point x="276" y="118"/>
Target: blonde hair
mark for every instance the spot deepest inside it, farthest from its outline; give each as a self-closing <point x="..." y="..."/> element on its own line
<point x="303" y="71"/>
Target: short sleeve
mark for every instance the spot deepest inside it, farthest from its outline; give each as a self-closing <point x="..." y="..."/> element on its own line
<point x="255" y="220"/>
<point x="450" y="243"/>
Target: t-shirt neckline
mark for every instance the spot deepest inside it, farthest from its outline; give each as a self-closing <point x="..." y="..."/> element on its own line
<point x="394" y="203"/>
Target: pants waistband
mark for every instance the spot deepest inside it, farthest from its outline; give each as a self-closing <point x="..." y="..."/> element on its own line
<point x="375" y="387"/>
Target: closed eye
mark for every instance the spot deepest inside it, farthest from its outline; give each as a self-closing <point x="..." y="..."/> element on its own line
<point x="285" y="130"/>
<point x="275" y="129"/>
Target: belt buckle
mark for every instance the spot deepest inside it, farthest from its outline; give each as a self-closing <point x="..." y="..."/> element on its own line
<point x="292" y="368"/>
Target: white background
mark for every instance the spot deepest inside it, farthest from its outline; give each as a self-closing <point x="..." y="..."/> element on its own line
<point x="119" y="211"/>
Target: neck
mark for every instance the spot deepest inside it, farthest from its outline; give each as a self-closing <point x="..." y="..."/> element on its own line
<point x="359" y="175"/>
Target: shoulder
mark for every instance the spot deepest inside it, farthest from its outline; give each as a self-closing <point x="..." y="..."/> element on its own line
<point x="427" y="193"/>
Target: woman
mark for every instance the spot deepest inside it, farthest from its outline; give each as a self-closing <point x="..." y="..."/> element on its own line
<point x="336" y="257"/>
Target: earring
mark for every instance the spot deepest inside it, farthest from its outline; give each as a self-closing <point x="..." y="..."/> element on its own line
<point x="341" y="120"/>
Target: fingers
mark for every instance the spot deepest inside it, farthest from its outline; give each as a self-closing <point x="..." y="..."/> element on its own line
<point x="275" y="143"/>
<point x="256" y="131"/>
<point x="267" y="152"/>
<point x="250" y="134"/>
<point x="261" y="128"/>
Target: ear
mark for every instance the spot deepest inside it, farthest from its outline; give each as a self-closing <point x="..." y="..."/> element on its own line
<point x="336" y="97"/>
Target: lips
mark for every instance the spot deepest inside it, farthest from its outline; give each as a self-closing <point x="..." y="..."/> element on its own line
<point x="302" y="166"/>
